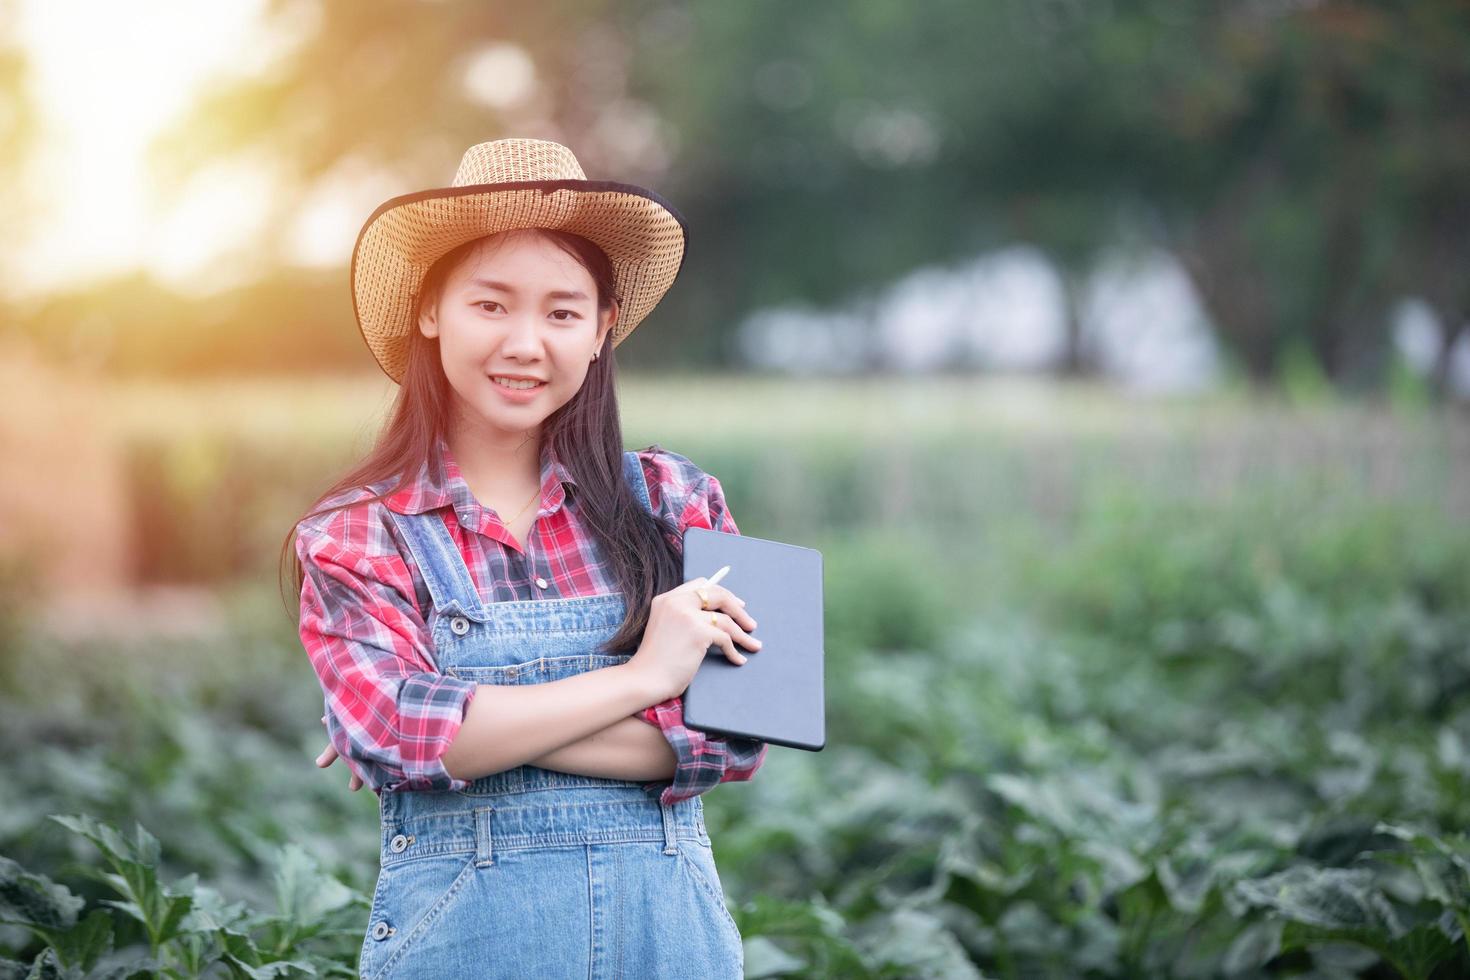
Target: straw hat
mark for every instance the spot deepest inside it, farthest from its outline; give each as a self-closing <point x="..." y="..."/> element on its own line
<point x="501" y="185"/>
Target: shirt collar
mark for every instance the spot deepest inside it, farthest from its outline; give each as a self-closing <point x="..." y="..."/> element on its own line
<point x="441" y="484"/>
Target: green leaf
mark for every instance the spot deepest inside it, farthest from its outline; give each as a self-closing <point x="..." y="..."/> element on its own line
<point x="175" y="908"/>
<point x="812" y="927"/>
<point x="1342" y="904"/>
<point x="305" y="894"/>
<point x="131" y="908"/>
<point x="276" y="968"/>
<point x="1186" y="885"/>
<point x="1442" y="865"/>
<point x="160" y="909"/>
<point x="209" y="913"/>
<point x="193" y="951"/>
<point x="916" y="942"/>
<point x="763" y="958"/>
<point x="133" y="864"/>
<point x="48" y="967"/>
<point x="1256" y="945"/>
<point x="116" y="848"/>
<point x="1415" y="954"/>
<point x="1328" y="898"/>
<point x="84" y="944"/>
<point x="35" y="901"/>
<point x="240" y="946"/>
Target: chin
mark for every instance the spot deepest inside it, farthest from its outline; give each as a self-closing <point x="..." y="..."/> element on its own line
<point x="513" y="417"/>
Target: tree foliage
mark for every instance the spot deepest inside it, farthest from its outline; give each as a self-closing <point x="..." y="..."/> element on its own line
<point x="1305" y="159"/>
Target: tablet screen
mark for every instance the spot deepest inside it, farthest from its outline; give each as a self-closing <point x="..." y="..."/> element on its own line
<point x="777" y="695"/>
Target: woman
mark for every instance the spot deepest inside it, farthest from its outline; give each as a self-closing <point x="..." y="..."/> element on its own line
<point x="492" y="599"/>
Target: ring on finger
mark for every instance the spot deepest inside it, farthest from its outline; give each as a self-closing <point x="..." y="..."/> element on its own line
<point x="712" y="620"/>
<point x="703" y="598"/>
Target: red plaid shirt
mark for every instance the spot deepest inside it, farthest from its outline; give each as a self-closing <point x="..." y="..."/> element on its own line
<point x="390" y="714"/>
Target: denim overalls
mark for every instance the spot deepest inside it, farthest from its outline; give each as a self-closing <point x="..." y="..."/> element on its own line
<point x="531" y="872"/>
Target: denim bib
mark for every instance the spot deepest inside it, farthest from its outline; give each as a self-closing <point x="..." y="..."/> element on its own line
<point x="531" y="872"/>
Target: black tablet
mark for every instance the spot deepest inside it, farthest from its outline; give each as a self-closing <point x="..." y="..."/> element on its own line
<point x="777" y="695"/>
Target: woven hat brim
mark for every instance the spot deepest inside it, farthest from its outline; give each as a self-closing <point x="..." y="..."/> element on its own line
<point x="643" y="235"/>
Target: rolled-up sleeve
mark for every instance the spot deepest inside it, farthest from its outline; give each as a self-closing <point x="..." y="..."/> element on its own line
<point x="390" y="714"/>
<point x="703" y="761"/>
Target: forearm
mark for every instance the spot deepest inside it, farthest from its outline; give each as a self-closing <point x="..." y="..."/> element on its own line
<point x="628" y="749"/>
<point x="703" y="760"/>
<point x="506" y="726"/>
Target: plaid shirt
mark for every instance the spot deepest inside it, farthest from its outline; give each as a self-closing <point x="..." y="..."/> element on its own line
<point x="390" y="714"/>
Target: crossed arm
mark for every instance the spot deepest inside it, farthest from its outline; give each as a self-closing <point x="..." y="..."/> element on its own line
<point x="366" y="639"/>
<point x="627" y="749"/>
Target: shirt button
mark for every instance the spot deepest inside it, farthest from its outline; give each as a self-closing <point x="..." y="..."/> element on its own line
<point x="382" y="930"/>
<point x="542" y="582"/>
<point x="459" y="625"/>
<point x="398" y="844"/>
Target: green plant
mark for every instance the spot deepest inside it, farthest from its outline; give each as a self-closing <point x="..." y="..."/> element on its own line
<point x="179" y="928"/>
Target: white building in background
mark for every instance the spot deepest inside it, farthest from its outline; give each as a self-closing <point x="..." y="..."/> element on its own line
<point x="1142" y="323"/>
<point x="1418" y="339"/>
<point x="1147" y="325"/>
<point x="1004" y="311"/>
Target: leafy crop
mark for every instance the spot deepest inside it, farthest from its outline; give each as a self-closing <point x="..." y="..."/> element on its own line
<point x="179" y="928"/>
<point x="1113" y="727"/>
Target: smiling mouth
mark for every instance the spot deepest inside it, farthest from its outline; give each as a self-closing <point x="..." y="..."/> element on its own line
<point x="517" y="385"/>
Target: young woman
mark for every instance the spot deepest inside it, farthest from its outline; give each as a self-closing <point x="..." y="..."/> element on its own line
<point x="492" y="599"/>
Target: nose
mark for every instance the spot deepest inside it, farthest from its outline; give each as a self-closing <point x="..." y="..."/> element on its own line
<point x="522" y="340"/>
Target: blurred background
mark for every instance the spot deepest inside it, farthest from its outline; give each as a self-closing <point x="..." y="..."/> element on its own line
<point x="1115" y="354"/>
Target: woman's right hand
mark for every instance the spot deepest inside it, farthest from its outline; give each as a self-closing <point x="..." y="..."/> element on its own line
<point x="680" y="633"/>
<point x="329" y="756"/>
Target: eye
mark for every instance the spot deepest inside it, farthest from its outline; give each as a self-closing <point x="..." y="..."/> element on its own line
<point x="488" y="302"/>
<point x="571" y="315"/>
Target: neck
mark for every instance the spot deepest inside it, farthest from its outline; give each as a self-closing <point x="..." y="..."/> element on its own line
<point x="496" y="464"/>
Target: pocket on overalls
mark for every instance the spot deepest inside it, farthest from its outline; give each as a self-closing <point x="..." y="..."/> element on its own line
<point x="411" y="894"/>
<point x="698" y="859"/>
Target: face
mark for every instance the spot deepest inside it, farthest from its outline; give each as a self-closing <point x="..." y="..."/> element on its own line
<point x="518" y="306"/>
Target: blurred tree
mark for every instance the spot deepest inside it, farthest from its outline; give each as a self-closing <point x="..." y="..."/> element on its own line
<point x="296" y="321"/>
<point x="378" y="81"/>
<point x="825" y="148"/>
<point x="1340" y="180"/>
<point x="19" y="123"/>
<point x="1306" y="159"/>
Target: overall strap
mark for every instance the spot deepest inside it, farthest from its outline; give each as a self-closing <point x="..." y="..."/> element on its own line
<point x="439" y="561"/>
<point x="633" y="473"/>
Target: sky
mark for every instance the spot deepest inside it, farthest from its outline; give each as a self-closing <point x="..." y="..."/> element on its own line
<point x="107" y="78"/>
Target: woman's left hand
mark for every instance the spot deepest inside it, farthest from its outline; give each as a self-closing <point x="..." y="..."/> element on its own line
<point x="329" y="756"/>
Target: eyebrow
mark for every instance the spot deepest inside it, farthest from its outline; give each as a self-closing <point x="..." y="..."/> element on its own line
<point x="507" y="288"/>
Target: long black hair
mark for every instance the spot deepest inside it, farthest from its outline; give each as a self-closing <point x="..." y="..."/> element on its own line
<point x="643" y="551"/>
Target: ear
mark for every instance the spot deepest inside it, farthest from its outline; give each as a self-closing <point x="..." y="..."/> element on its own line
<point x="428" y="321"/>
<point x="608" y="319"/>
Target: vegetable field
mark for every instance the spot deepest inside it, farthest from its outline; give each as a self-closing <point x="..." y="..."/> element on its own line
<point x="1115" y="689"/>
